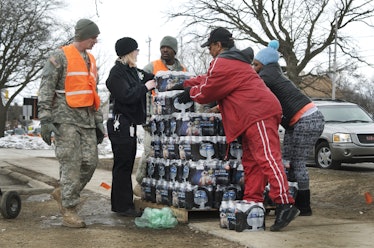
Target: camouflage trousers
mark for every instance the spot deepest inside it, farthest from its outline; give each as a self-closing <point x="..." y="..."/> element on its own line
<point x="299" y="142"/>
<point x="76" y="151"/>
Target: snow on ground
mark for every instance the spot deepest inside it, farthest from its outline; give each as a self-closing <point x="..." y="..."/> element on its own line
<point x="36" y="143"/>
<point x="24" y="142"/>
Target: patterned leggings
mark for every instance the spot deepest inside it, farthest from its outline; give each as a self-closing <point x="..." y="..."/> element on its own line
<point x="298" y="143"/>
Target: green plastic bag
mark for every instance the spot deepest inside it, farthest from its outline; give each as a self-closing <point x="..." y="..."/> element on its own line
<point x="156" y="218"/>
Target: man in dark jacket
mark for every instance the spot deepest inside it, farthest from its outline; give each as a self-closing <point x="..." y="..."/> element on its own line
<point x="167" y="62"/>
<point x="249" y="110"/>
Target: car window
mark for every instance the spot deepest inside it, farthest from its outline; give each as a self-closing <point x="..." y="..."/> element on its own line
<point x="344" y="113"/>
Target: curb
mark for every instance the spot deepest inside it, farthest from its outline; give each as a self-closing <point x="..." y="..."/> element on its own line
<point x="35" y="187"/>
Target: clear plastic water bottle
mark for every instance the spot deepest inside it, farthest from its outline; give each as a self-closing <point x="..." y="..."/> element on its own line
<point x="189" y="193"/>
<point x="218" y="195"/>
<point x="153" y="190"/>
<point x="158" y="191"/>
<point x="230" y="213"/>
<point x="174" y="194"/>
<point x="201" y="197"/>
<point x="223" y="214"/>
<point x="182" y="195"/>
<point x="231" y="194"/>
<point x="145" y="189"/>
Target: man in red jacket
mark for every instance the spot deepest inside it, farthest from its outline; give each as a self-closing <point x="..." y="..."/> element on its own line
<point x="249" y="110"/>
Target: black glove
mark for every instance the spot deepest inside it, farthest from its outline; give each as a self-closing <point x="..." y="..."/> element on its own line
<point x="178" y="86"/>
<point x="100" y="132"/>
<point x="184" y="97"/>
<point x="46" y="131"/>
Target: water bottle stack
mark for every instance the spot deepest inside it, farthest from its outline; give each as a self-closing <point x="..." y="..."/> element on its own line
<point x="186" y="168"/>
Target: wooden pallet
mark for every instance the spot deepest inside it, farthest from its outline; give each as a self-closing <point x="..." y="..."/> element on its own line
<point x="181" y="214"/>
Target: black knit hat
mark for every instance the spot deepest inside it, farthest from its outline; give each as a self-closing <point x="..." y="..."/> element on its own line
<point x="248" y="53"/>
<point x="125" y="46"/>
<point x="218" y="34"/>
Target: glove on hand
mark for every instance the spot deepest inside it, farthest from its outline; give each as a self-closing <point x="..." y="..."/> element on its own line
<point x="184" y="97"/>
<point x="178" y="86"/>
<point x="100" y="131"/>
<point x="46" y="132"/>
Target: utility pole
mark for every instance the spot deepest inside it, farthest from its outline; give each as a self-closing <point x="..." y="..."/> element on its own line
<point x="335" y="67"/>
<point x="149" y="49"/>
<point x="181" y="49"/>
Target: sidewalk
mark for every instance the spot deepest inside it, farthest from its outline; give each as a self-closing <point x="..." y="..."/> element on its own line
<point x="312" y="231"/>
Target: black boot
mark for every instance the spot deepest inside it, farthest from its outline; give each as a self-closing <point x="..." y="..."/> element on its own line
<point x="302" y="202"/>
<point x="285" y="213"/>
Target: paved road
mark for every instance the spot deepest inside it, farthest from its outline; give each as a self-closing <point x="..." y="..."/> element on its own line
<point x="314" y="231"/>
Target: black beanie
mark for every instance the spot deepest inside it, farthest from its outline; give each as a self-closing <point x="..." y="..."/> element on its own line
<point x="248" y="53"/>
<point x="125" y="46"/>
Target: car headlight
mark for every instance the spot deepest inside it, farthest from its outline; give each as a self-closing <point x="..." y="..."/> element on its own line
<point x="341" y="137"/>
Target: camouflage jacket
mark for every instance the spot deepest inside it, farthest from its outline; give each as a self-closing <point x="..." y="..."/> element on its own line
<point x="52" y="106"/>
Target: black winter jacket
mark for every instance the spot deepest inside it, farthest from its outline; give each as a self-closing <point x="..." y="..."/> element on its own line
<point x="128" y="92"/>
<point x="289" y="96"/>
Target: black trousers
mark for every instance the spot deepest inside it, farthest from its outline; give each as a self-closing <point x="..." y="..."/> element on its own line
<point x="123" y="158"/>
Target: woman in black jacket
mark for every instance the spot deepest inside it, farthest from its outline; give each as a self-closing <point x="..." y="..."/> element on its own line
<point x="128" y="87"/>
<point x="301" y="119"/>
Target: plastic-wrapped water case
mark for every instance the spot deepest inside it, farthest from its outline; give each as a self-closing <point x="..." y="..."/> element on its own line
<point x="166" y="103"/>
<point x="166" y="80"/>
<point x="249" y="216"/>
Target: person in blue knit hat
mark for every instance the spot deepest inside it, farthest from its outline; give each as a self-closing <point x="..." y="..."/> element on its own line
<point x="301" y="119"/>
<point x="269" y="54"/>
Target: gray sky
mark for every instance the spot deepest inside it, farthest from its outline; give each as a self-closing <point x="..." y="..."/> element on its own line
<point x="146" y="19"/>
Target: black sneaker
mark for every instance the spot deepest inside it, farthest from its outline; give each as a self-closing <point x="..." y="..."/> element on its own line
<point x="285" y="214"/>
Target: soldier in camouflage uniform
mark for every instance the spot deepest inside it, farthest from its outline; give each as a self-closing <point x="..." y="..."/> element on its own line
<point x="78" y="129"/>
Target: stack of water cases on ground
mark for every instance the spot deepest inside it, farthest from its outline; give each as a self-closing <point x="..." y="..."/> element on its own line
<point x="187" y="168"/>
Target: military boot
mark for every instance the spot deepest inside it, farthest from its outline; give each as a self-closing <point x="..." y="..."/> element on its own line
<point x="56" y="194"/>
<point x="71" y="218"/>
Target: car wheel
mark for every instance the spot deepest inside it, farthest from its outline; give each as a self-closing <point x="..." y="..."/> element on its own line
<point x="10" y="204"/>
<point x="323" y="157"/>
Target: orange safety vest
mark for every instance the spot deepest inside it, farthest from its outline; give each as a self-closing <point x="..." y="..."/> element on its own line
<point x="159" y="66"/>
<point x="80" y="83"/>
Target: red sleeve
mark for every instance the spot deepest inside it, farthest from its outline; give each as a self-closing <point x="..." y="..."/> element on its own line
<point x="192" y="82"/>
<point x="212" y="86"/>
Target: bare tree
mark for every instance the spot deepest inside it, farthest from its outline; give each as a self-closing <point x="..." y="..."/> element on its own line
<point x="304" y="28"/>
<point x="196" y="59"/>
<point x="27" y="30"/>
<point x="362" y="92"/>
